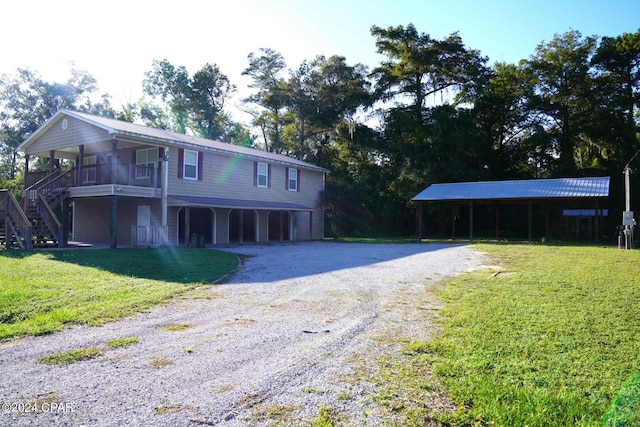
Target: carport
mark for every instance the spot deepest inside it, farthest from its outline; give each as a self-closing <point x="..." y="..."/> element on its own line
<point x="591" y="190"/>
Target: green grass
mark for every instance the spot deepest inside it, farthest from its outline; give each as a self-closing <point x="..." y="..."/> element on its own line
<point x="71" y="356"/>
<point x="42" y="291"/>
<point x="122" y="342"/>
<point x="553" y="340"/>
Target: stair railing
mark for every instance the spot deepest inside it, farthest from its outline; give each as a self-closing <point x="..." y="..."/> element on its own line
<point x="17" y="217"/>
<point x="50" y="218"/>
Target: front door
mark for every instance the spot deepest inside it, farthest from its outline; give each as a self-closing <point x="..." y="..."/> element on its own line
<point x="144" y="223"/>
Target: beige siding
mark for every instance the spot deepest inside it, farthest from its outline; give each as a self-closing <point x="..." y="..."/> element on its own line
<point x="229" y="177"/>
<point x="76" y="133"/>
<point x="92" y="218"/>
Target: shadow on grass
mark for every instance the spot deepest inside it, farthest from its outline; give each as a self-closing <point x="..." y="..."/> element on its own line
<point x="179" y="265"/>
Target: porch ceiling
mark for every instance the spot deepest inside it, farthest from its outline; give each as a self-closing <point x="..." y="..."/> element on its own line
<point x="235" y="204"/>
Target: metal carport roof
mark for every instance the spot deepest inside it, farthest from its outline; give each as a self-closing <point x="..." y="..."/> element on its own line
<point x="560" y="188"/>
<point x="523" y="191"/>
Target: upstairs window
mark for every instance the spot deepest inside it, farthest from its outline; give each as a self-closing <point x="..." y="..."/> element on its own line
<point x="262" y="179"/>
<point x="292" y="179"/>
<point x="190" y="170"/>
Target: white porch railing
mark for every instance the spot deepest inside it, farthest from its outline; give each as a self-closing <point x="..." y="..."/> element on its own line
<point x="149" y="235"/>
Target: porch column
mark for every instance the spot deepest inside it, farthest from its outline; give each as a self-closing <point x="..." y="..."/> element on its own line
<point x="114" y="222"/>
<point x="165" y="184"/>
<point x="310" y="225"/>
<point x="114" y="160"/>
<point x="281" y="225"/>
<point x="80" y="162"/>
<point x="240" y="226"/>
<point x="187" y="225"/>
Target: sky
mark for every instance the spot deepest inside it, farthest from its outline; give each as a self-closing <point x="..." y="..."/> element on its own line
<point x="116" y="41"/>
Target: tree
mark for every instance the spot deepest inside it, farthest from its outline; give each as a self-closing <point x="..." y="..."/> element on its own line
<point x="320" y="96"/>
<point x="618" y="61"/>
<point x="419" y="66"/>
<point x="500" y="102"/>
<point x="210" y="89"/>
<point x="27" y="101"/>
<point x="187" y="104"/>
<point x="564" y="92"/>
<point x="265" y="71"/>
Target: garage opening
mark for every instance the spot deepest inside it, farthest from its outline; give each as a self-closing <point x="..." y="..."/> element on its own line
<point x="242" y="226"/>
<point x="197" y="228"/>
<point x="279" y="225"/>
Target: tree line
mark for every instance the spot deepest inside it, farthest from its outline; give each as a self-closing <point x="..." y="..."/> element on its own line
<point x="432" y="111"/>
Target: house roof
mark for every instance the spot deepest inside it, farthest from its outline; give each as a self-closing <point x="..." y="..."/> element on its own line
<point x="244" y="204"/>
<point x="149" y="135"/>
<point x="541" y="189"/>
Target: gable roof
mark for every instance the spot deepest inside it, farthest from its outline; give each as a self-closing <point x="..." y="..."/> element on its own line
<point x="560" y="188"/>
<point x="148" y="135"/>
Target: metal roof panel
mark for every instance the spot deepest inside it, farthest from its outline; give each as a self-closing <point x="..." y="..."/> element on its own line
<point x="560" y="188"/>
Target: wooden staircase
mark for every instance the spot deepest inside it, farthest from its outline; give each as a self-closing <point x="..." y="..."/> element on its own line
<point x="33" y="223"/>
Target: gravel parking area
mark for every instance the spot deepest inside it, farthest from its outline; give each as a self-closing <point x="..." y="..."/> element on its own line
<point x="288" y="333"/>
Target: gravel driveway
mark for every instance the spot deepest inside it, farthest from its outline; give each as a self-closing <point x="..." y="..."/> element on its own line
<point x="287" y="334"/>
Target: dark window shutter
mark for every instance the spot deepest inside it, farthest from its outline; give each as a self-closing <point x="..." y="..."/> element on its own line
<point x="298" y="186"/>
<point x="255" y="174"/>
<point x="160" y="153"/>
<point x="180" y="162"/>
<point x="134" y="157"/>
<point x="200" y="163"/>
<point x="269" y="176"/>
<point x="286" y="178"/>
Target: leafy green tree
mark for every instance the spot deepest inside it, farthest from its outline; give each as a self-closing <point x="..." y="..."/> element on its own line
<point x="617" y="60"/>
<point x="500" y="101"/>
<point x="419" y="66"/>
<point x="265" y="70"/>
<point x="210" y="89"/>
<point x="564" y="93"/>
<point x="184" y="104"/>
<point x="27" y="101"/>
<point x="322" y="95"/>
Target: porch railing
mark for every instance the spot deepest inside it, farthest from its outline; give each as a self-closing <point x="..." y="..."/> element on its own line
<point x="126" y="174"/>
<point x="149" y="235"/>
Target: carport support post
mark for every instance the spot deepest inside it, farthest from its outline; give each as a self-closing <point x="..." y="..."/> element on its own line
<point x="530" y="219"/>
<point x="597" y="221"/>
<point x="419" y="221"/>
<point x="497" y="221"/>
<point x="240" y="226"/>
<point x="471" y="222"/>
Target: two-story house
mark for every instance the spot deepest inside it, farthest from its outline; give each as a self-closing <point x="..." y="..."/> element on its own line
<point x="140" y="186"/>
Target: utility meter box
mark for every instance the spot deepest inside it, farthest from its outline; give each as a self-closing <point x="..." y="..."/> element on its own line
<point x="627" y="218"/>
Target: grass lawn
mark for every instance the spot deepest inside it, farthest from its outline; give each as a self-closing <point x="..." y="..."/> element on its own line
<point x="552" y="340"/>
<point x="42" y="291"/>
